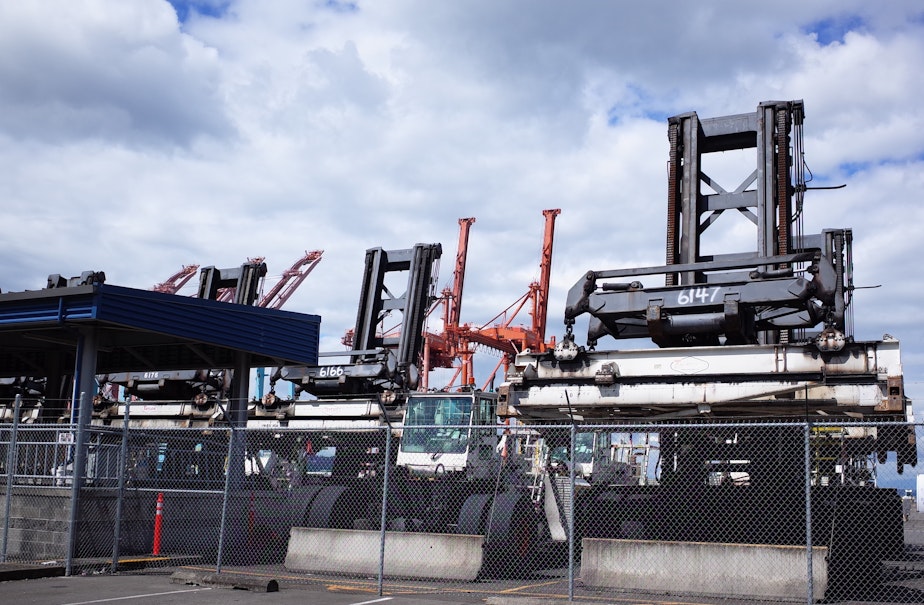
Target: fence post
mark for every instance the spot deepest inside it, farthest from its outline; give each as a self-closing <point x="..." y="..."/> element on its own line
<point x="808" y="513"/>
<point x="384" y="519"/>
<point x="232" y="437"/>
<point x="571" y="513"/>
<point x="84" y="415"/>
<point x="123" y="470"/>
<point x="11" y="462"/>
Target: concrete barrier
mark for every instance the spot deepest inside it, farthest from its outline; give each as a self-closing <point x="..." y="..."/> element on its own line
<point x="729" y="570"/>
<point x="407" y="554"/>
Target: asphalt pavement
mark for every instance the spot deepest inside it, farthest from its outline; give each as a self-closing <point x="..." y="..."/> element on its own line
<point x="185" y="584"/>
<point x="166" y="588"/>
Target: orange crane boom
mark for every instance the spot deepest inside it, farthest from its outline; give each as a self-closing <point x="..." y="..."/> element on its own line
<point x="176" y="281"/>
<point x="454" y="301"/>
<point x="442" y="350"/>
<point x="291" y="279"/>
<point x="541" y="297"/>
<point x="503" y="337"/>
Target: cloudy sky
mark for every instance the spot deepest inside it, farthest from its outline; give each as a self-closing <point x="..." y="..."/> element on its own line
<point x="138" y="136"/>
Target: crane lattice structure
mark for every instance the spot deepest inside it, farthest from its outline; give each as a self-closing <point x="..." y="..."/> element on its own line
<point x="499" y="334"/>
<point x="291" y="279"/>
<point x="288" y="283"/>
<point x="176" y="281"/>
<point x="441" y="350"/>
<point x="455" y="346"/>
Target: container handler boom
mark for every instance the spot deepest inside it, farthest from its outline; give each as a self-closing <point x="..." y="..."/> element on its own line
<point x="441" y="446"/>
<point x="754" y="335"/>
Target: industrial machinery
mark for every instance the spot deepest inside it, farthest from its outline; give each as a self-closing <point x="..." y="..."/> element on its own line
<point x="499" y="334"/>
<point x="442" y="350"/>
<point x="198" y="396"/>
<point x="32" y="392"/>
<point x="44" y="398"/>
<point x="743" y="337"/>
<point x="181" y="397"/>
<point x="291" y="279"/>
<point x="745" y="381"/>
<point x="165" y="398"/>
<point x="175" y="282"/>
<point x="455" y="346"/>
<point x="441" y="446"/>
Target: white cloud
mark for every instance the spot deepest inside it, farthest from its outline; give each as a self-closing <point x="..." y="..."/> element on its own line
<point x="121" y="72"/>
<point x="134" y="144"/>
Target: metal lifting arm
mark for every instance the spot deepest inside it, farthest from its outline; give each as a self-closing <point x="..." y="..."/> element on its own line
<point x="737" y="311"/>
<point x="176" y="281"/>
<point x="787" y="282"/>
<point x="541" y="297"/>
<point x="239" y="285"/>
<point x="291" y="279"/>
<point x="380" y="363"/>
<point x="458" y="275"/>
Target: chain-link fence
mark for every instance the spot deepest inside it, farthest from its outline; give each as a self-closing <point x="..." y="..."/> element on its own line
<point x="785" y="511"/>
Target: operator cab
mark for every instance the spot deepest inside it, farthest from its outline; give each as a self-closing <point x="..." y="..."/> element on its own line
<point x="448" y="433"/>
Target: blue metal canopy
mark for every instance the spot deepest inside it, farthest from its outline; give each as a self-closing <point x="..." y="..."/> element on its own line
<point x="141" y="329"/>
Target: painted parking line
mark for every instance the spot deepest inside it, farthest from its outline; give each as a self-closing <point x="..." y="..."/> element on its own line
<point x="139" y="596"/>
<point x="373" y="601"/>
<point x="528" y="586"/>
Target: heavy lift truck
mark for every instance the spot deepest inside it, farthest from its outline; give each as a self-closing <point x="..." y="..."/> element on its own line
<point x="443" y="445"/>
<point x="743" y="338"/>
<point x="188" y="397"/>
<point x="735" y="348"/>
<point x="445" y="461"/>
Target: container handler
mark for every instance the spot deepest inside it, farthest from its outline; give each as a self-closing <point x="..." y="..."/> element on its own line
<point x="741" y="338"/>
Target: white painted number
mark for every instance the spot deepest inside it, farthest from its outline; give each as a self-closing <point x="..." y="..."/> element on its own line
<point x="697" y="296"/>
<point x="331" y="372"/>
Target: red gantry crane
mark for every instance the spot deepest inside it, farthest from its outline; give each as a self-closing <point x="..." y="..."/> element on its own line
<point x="442" y="350"/>
<point x="455" y="346"/>
<point x="499" y="334"/>
<point x="176" y="281"/>
<point x="291" y="279"/>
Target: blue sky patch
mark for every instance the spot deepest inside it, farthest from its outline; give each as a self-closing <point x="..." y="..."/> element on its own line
<point x="830" y="31"/>
<point x="638" y="102"/>
<point x="852" y="168"/>
<point x="208" y="8"/>
<point x="618" y="113"/>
